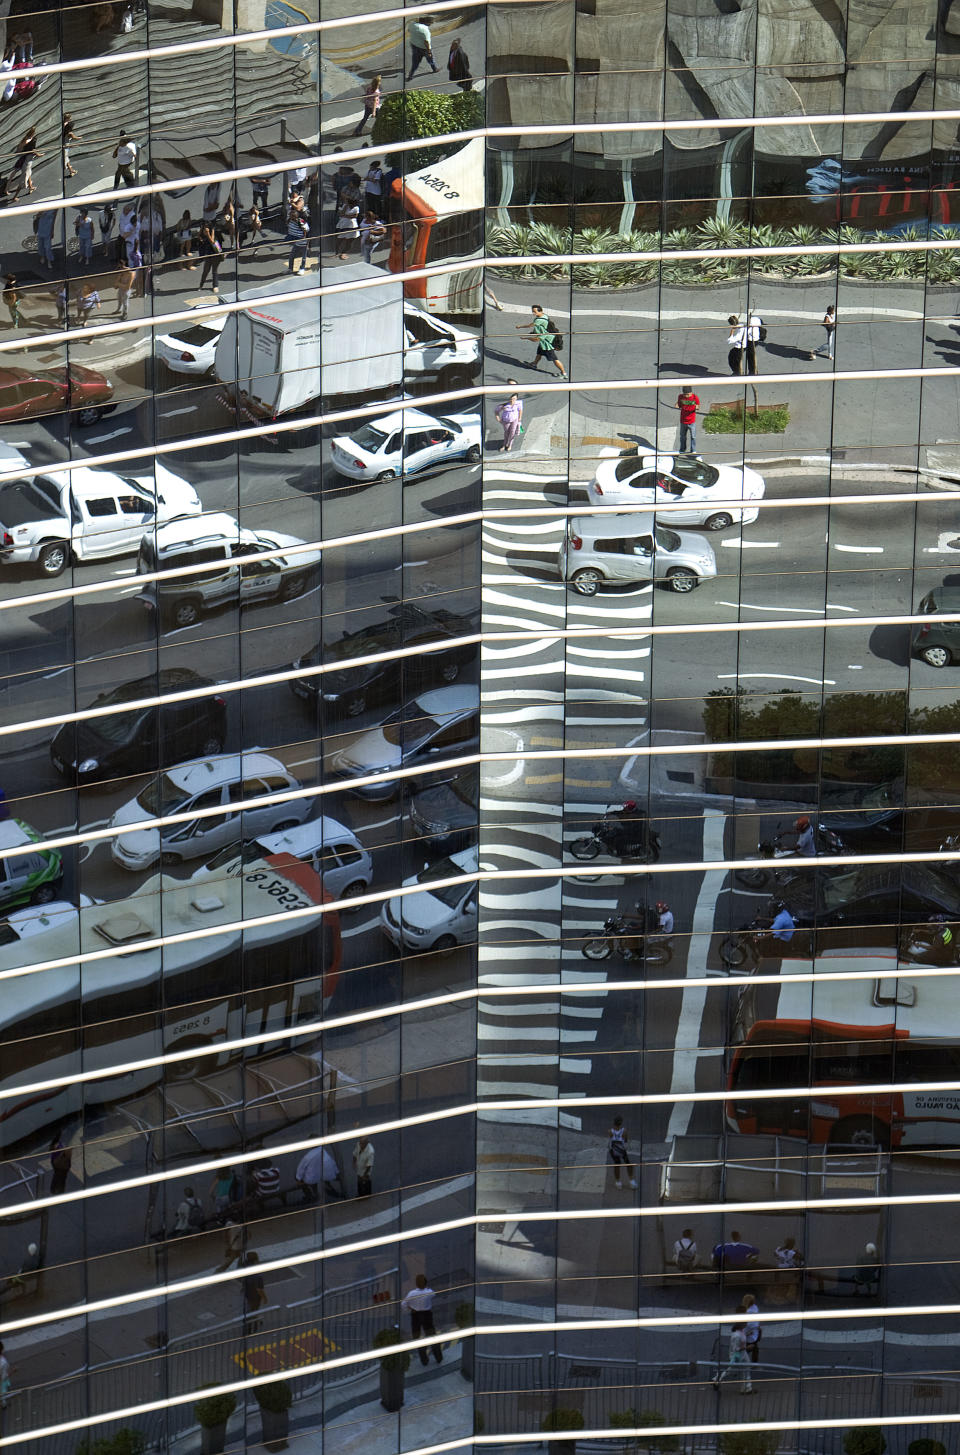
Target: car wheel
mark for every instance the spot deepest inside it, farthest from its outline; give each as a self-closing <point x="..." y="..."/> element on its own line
<point x="211" y="747"/>
<point x="355" y="705"/>
<point x="720" y="521"/>
<point x="450" y="671"/>
<point x="352" y="890"/>
<point x="473" y="454"/>
<point x="293" y="586"/>
<point x="683" y="580"/>
<point x="587" y="582"/>
<point x="90" y="415"/>
<point x="387" y="475"/>
<point x="170" y="860"/>
<point x="859" y="1132"/>
<point x="936" y="656"/>
<point x="444" y="944"/>
<point x="285" y="825"/>
<point x="185" y="613"/>
<point x="54" y="558"/>
<point x="43" y="895"/>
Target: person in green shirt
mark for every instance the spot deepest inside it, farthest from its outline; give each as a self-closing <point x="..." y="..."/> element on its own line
<point x="545" y="338"/>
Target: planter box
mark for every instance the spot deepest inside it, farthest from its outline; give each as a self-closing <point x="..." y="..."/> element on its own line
<point x="213" y="1439"/>
<point x="274" y="1428"/>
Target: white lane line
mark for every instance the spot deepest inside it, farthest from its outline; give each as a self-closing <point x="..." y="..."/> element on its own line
<point x="833" y="606"/>
<point x="860" y="550"/>
<point x="694" y="998"/>
<point x="854" y="667"/>
<point x="739" y="543"/>
<point x="778" y="677"/>
<point x="749" y="606"/>
<point x="98" y="439"/>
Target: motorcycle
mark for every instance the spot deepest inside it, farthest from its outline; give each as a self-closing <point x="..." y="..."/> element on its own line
<point x="753" y="942"/>
<point x="828" y="844"/>
<point x="627" y="938"/>
<point x="605" y="838"/>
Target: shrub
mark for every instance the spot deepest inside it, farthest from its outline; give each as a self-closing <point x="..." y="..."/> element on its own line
<point x="865" y="1440"/>
<point x="215" y="1410"/>
<point x="124" y="1441"/>
<point x="464" y="1315"/>
<point x="749" y="1442"/>
<point x="645" y="1419"/>
<point x="275" y="1398"/>
<point x="408" y="115"/>
<point x="926" y="1446"/>
<point x="383" y="1340"/>
<point x="561" y="1419"/>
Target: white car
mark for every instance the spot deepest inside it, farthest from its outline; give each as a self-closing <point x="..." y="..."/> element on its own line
<point x="404" y="442"/>
<point x="330" y="848"/>
<point x="226" y="780"/>
<point x="704" y="492"/>
<point x="434" y="347"/>
<point x="53" y="517"/>
<point x="192" y="347"/>
<point x="440" y="918"/>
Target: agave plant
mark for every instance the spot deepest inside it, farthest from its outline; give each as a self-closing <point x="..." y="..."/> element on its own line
<point x="719" y="232"/>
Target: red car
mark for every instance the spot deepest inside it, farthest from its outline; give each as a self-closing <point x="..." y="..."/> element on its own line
<point x="25" y="394"/>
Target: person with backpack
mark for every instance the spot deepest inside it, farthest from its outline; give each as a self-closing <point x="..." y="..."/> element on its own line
<point x="685" y="1252"/>
<point x="619" y="1157"/>
<point x="190" y="1215"/>
<point x="548" y="340"/>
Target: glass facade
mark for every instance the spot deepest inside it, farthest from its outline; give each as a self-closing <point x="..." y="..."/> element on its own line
<point x="478" y="619"/>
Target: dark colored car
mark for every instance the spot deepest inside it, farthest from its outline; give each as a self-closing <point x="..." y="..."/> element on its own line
<point x="446" y="814"/>
<point x="873" y="819"/>
<point x="346" y="692"/>
<point x="869" y="905"/>
<point x="938" y="642"/>
<point x="26" y="393"/>
<point x="142" y="741"/>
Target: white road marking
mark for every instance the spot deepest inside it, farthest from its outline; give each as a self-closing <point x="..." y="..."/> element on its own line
<point x="749" y="606"/>
<point x="854" y="667"/>
<point x="98" y="439"/>
<point x="738" y="542"/>
<point x="947" y="540"/>
<point x="779" y="677"/>
<point x="695" y="997"/>
<point x="861" y="550"/>
<point x="833" y="606"/>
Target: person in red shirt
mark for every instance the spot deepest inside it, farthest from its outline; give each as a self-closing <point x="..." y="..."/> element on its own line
<point x="688" y="403"/>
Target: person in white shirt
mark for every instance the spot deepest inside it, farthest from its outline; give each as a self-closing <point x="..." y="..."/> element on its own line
<point x="664" y="917"/>
<point x="125" y="154"/>
<point x="373" y="189"/>
<point x="316" y="1166"/>
<point x="685" y="1251"/>
<point x="363" y="1156"/>
<point x="421" y="45"/>
<point x="736" y="344"/>
<point x="751" y="1329"/>
<point x="754" y="325"/>
<point x="738" y="1360"/>
<point x="418" y="1303"/>
<point x="788" y="1255"/>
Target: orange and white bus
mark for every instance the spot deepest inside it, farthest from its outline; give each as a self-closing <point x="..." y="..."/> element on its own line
<point x="444" y="219"/>
<point x="896" y="1028"/>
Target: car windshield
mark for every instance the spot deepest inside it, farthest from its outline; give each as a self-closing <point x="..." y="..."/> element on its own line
<point x="448" y="423"/>
<point x="119" y="729"/>
<point x="162" y="796"/>
<point x="629" y="465"/>
<point x="667" y="540"/>
<point x="880" y="795"/>
<point x="198" y="334"/>
<point x="368" y="437"/>
<point x="26" y="500"/>
<point x="249" y="851"/>
<point x="451" y="894"/>
<point x="694" y="472"/>
<point x="135" y="486"/>
<point x="409" y="733"/>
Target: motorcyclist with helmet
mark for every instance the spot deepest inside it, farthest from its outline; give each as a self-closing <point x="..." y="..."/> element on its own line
<point x="625" y="829"/>
<point x="806" y="838"/>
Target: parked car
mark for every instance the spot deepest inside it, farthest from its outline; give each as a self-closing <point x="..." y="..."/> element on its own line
<point x="436" y="725"/>
<point x="190" y="348"/>
<point x="348" y="691"/>
<point x="632" y="548"/>
<point x="703" y="490"/>
<point x="327" y="845"/>
<point x="938" y="642"/>
<point x="27" y="393"/>
<point x="440" y="917"/>
<point x="206" y="783"/>
<point x="56" y="516"/>
<point x="142" y="741"/>
<point x="869" y="905"/>
<point x="443" y="815"/>
<point x="406" y="441"/>
<point x="237" y="569"/>
<point x="434" y="347"/>
<point x="31" y="877"/>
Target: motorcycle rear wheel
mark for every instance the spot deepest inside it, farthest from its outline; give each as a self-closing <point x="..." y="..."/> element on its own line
<point x="596" y="949"/>
<point x="587" y="848"/>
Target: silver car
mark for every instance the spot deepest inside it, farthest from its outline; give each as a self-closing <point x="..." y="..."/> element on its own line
<point x="622" y="548"/>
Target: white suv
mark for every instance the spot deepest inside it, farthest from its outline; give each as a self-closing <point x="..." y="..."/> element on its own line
<point x="236" y="567"/>
<point x="226" y="781"/>
<point x="56" y="516"/>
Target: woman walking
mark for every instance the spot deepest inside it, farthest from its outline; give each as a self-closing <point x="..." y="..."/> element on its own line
<point x="372" y="101"/>
<point x="510" y="416"/>
<point x="348" y="229"/>
<point x="458" y="66"/>
<point x="67" y="136"/>
<point x="126" y="283"/>
<point x="11" y="297"/>
<point x="211" y="252"/>
<point x="736" y="343"/>
<point x="22" y="170"/>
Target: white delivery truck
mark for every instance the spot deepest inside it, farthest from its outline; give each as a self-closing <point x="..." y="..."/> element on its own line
<point x="341" y="348"/>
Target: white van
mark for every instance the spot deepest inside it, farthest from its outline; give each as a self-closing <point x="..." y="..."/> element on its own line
<point x="633" y="548"/>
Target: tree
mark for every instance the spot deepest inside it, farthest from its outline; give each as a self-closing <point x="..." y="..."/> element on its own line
<point x="864" y="1440"/>
<point x="407" y="115"/>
